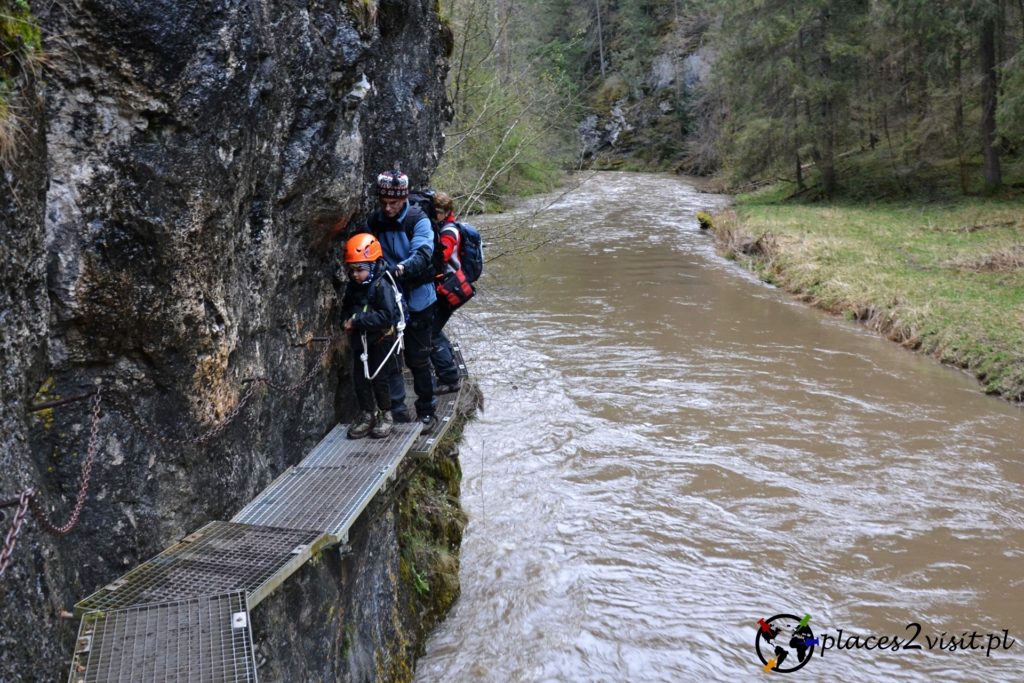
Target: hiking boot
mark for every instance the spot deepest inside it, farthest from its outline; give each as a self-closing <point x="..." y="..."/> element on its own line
<point x="383" y="426"/>
<point x="449" y="388"/>
<point x="401" y="415"/>
<point x="429" y="422"/>
<point x="361" y="427"/>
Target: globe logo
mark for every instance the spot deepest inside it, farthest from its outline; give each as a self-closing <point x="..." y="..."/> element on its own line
<point x="785" y="642"/>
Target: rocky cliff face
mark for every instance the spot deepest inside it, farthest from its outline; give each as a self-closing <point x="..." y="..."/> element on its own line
<point x="170" y="227"/>
<point x="644" y="125"/>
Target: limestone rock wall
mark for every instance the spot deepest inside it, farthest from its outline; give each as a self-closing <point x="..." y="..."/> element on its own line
<point x="646" y="124"/>
<point x="170" y="226"/>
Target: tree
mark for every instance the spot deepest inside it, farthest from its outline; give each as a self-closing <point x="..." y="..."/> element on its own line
<point x="989" y="99"/>
<point x="787" y="71"/>
<point x="512" y="107"/>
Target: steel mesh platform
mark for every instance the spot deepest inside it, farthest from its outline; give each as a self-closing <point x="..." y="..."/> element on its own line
<point x="329" y="498"/>
<point x="183" y="616"/>
<point x="460" y="362"/>
<point x="219" y="558"/>
<point x="445" y="413"/>
<point x="446" y="404"/>
<point x="201" y="640"/>
<point x="336" y="449"/>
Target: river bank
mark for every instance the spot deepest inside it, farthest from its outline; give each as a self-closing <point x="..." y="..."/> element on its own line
<point x="943" y="279"/>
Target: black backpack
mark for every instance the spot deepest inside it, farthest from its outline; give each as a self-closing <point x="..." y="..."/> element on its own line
<point x="424" y="200"/>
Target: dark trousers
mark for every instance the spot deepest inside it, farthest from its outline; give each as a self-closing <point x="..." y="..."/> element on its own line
<point x="441" y="355"/>
<point x="374" y="394"/>
<point x="417" y="359"/>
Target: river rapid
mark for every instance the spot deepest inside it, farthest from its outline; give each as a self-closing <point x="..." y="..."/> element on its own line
<point x="672" y="451"/>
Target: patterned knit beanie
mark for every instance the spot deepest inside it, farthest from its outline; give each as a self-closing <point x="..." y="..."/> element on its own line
<point x="393" y="185"/>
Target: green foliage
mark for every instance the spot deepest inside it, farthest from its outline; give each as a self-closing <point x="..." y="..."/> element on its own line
<point x="840" y="98"/>
<point x="1010" y="117"/>
<point x="20" y="54"/>
<point x="431" y="523"/>
<point x="611" y="90"/>
<point x="632" y="26"/>
<point x="19" y="33"/>
<point x="512" y="98"/>
<point x="421" y="585"/>
<point x="862" y="96"/>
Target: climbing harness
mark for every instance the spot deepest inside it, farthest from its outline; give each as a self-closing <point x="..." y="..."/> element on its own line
<point x="397" y="346"/>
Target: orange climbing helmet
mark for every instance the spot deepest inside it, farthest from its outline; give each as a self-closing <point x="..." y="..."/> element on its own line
<point x="362" y="248"/>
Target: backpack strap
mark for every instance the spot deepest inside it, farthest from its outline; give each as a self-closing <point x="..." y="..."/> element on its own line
<point x="396" y="347"/>
<point x="413" y="214"/>
<point x="453" y="229"/>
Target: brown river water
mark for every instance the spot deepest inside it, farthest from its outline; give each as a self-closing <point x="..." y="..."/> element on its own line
<point x="672" y="451"/>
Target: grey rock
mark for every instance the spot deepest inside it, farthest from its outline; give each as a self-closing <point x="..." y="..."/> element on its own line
<point x="171" y="227"/>
<point x="598" y="135"/>
<point x="663" y="72"/>
<point x="696" y="68"/>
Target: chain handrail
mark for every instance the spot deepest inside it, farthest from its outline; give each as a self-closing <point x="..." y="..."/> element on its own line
<point x="199" y="439"/>
<point x="28" y="500"/>
<point x="12" y="535"/>
<point x="83" y="487"/>
<point x="293" y="389"/>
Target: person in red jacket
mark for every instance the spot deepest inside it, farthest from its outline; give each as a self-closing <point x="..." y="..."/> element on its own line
<point x="452" y="291"/>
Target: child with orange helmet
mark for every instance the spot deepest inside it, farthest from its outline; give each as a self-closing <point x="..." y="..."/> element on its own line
<point x="373" y="318"/>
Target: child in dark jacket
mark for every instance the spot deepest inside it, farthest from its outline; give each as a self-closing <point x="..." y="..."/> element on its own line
<point x="372" y="315"/>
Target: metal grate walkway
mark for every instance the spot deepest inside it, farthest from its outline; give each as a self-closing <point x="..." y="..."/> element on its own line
<point x="184" y="614"/>
<point x="219" y="558"/>
<point x="201" y="640"/>
<point x="327" y="491"/>
<point x="446" y="405"/>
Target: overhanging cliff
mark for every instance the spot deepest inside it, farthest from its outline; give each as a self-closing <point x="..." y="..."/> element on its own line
<point x="170" y="220"/>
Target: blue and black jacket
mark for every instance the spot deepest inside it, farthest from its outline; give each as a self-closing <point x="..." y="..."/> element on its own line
<point x="414" y="254"/>
<point x="371" y="305"/>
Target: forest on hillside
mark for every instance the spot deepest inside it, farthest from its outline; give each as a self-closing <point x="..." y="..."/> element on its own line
<point x="862" y="98"/>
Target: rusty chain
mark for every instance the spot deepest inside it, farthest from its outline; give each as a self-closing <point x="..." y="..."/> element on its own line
<point x="293" y="389"/>
<point x="83" y="487"/>
<point x="12" y="535"/>
<point x="28" y="499"/>
<point x="211" y="433"/>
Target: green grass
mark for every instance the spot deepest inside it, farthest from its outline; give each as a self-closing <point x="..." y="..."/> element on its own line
<point x="944" y="278"/>
<point x="20" y="54"/>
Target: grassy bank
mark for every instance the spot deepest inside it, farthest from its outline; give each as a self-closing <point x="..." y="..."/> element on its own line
<point x="944" y="279"/>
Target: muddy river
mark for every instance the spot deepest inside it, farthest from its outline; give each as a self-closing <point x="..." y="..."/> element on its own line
<point x="673" y="455"/>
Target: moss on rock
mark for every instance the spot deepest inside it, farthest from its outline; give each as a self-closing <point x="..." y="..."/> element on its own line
<point x="21" y="43"/>
<point x="431" y="522"/>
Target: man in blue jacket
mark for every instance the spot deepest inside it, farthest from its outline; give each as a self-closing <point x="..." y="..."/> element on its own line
<point x="407" y="238"/>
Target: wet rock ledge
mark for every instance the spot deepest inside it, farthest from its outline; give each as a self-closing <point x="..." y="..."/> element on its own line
<point x="170" y="220"/>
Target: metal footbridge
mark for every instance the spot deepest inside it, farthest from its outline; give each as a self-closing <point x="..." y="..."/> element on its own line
<point x="184" y="614"/>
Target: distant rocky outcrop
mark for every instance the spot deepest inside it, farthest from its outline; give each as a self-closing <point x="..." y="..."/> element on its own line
<point x="644" y="124"/>
<point x="170" y="221"/>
